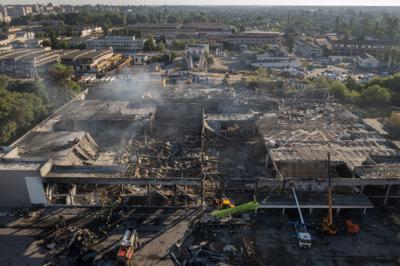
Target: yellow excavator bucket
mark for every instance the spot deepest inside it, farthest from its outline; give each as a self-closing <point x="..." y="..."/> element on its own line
<point x="228" y="203"/>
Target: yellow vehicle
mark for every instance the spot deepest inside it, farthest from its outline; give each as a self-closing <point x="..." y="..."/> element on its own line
<point x="224" y="203"/>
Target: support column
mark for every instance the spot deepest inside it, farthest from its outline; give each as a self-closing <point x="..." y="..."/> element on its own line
<point x="50" y="188"/>
<point x="362" y="189"/>
<point x="96" y="197"/>
<point x="148" y="195"/>
<point x="174" y="197"/>
<point x="202" y="193"/>
<point x="255" y="191"/>
<point x="387" y="195"/>
<point x="72" y="192"/>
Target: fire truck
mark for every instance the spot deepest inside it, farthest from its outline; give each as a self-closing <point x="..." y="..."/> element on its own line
<point x="129" y="244"/>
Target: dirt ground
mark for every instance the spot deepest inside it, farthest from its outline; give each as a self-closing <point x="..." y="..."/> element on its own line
<point x="21" y="237"/>
<point x="377" y="244"/>
<point x="274" y="240"/>
<point x="272" y="234"/>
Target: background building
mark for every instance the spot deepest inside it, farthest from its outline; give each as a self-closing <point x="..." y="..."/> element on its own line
<point x="367" y="61"/>
<point x="90" y="61"/>
<point x="27" y="62"/>
<point x="168" y="30"/>
<point x="307" y="49"/>
<point x="255" y="38"/>
<point x="375" y="48"/>
<point x="197" y="50"/>
<point x="117" y="43"/>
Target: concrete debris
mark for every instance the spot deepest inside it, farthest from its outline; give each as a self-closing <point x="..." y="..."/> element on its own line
<point x="74" y="242"/>
<point x="202" y="254"/>
<point x="50" y="264"/>
<point x="395" y="218"/>
<point x="249" y="249"/>
<point x="51" y="245"/>
<point x="230" y="249"/>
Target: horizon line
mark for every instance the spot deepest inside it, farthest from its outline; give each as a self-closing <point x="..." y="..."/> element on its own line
<point x="205" y="5"/>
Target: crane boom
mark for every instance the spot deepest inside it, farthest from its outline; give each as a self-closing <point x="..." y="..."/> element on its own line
<point x="327" y="223"/>
<point x="299" y="209"/>
<point x="303" y="236"/>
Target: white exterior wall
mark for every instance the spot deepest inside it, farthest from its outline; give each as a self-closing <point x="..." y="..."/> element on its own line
<point x="368" y="62"/>
<point x="277" y="64"/>
<point x="21" y="188"/>
<point x="128" y="44"/>
<point x="197" y="50"/>
<point x="35" y="190"/>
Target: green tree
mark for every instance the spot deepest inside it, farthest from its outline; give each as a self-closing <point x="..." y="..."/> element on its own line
<point x="261" y="73"/>
<point x="179" y="44"/>
<point x="352" y="85"/>
<point x="59" y="76"/>
<point x="59" y="73"/>
<point x="18" y="111"/>
<point x="149" y="45"/>
<point x="375" y="95"/>
<point x="338" y="89"/>
<point x="160" y="47"/>
<point x="172" y="19"/>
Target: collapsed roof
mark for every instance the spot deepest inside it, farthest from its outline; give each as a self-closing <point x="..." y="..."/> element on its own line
<point x="308" y="133"/>
<point x="64" y="148"/>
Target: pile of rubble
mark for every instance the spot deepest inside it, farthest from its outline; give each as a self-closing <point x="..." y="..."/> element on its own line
<point x="76" y="244"/>
<point x="210" y="253"/>
<point x="73" y="243"/>
<point x="154" y="158"/>
<point x="220" y="253"/>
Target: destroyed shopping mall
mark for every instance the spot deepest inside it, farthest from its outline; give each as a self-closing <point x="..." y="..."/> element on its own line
<point x="161" y="159"/>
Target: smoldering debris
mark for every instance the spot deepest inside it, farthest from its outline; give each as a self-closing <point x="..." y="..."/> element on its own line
<point x="156" y="158"/>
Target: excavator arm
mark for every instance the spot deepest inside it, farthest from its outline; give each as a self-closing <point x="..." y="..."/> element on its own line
<point x="250" y="206"/>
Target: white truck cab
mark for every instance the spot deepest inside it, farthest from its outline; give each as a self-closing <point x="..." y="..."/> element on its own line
<point x="304" y="240"/>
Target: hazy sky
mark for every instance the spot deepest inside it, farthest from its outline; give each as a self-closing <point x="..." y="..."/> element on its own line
<point x="215" y="2"/>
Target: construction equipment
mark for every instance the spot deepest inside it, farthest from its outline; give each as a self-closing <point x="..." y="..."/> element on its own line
<point x="250" y="206"/>
<point x="224" y="203"/>
<point x="327" y="225"/>
<point x="302" y="235"/>
<point x="128" y="245"/>
<point x="352" y="228"/>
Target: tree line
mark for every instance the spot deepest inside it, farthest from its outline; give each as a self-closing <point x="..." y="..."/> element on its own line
<point x="353" y="22"/>
<point x="24" y="103"/>
<point x="378" y="92"/>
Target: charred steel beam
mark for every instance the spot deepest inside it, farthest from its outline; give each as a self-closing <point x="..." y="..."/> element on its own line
<point x="323" y="182"/>
<point x="167" y="181"/>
